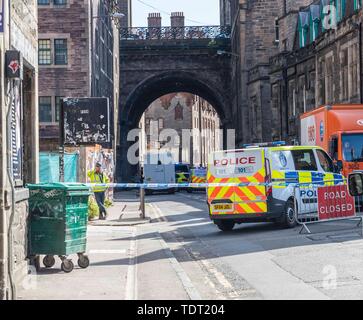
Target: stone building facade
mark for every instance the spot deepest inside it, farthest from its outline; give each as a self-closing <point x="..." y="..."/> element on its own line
<point x="286" y="62"/>
<point x="253" y="35"/>
<point x="78" y="57"/>
<point x="206" y="131"/>
<point x="180" y="111"/>
<point x="18" y="137"/>
<point x="315" y="65"/>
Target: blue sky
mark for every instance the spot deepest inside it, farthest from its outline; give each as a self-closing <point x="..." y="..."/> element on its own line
<point x="199" y="12"/>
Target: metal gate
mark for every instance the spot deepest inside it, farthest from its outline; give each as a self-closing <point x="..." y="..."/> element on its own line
<point x="323" y="202"/>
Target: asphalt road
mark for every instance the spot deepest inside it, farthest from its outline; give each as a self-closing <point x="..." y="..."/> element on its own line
<point x="181" y="254"/>
<point x="255" y="261"/>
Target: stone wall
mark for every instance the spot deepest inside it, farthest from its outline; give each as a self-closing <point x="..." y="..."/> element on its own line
<point x="324" y="72"/>
<point x="21" y="36"/>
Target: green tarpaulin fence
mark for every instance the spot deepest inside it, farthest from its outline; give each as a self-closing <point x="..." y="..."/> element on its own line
<point x="49" y="167"/>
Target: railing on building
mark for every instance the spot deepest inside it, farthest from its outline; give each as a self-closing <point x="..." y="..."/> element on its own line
<point x="176" y="33"/>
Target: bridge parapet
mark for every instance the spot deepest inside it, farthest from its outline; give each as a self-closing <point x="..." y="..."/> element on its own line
<point x="175" y="33"/>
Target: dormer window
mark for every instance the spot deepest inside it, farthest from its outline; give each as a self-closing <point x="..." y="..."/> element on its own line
<point x="303" y="28"/>
<point x="314" y="22"/>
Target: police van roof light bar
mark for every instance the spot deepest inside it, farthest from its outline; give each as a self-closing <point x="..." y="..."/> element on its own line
<point x="265" y="144"/>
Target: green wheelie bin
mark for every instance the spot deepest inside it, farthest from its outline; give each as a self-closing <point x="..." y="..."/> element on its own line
<point x="58" y="217"/>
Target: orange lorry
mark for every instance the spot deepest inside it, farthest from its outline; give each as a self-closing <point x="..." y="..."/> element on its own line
<point x="339" y="130"/>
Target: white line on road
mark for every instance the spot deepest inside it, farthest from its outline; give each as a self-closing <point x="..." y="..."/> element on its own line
<point x="158" y="214"/>
<point x="121" y="251"/>
<point x="131" y="282"/>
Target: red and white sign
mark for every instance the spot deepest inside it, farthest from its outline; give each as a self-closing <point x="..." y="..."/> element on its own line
<point x="236" y="163"/>
<point x="335" y="202"/>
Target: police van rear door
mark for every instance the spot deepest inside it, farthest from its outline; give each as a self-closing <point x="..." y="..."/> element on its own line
<point x="226" y="170"/>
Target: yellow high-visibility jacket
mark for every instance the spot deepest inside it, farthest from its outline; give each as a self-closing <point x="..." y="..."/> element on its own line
<point x="95" y="178"/>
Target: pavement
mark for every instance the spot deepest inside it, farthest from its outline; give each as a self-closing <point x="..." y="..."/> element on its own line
<point x="180" y="254"/>
<point x="125" y="211"/>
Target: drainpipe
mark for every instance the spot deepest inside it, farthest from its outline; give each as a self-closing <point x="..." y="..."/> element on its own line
<point x="12" y="215"/>
<point x="9" y="172"/>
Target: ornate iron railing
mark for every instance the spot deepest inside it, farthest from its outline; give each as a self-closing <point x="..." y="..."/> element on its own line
<point x="172" y="33"/>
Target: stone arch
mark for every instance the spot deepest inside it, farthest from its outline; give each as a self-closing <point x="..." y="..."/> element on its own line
<point x="168" y="82"/>
<point x="152" y="88"/>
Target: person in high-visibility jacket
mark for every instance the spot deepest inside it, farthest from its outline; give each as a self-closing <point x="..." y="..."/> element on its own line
<point x="97" y="176"/>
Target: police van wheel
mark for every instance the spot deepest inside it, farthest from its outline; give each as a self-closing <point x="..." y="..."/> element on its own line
<point x="225" y="225"/>
<point x="290" y="217"/>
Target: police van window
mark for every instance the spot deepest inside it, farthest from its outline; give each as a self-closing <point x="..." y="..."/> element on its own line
<point x="325" y="162"/>
<point x="304" y="160"/>
<point x="282" y="161"/>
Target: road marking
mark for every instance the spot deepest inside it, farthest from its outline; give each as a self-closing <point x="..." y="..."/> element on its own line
<point x="187" y="284"/>
<point x="158" y="213"/>
<point x="220" y="278"/>
<point x="121" y="251"/>
<point x="131" y="282"/>
<point x="190" y="289"/>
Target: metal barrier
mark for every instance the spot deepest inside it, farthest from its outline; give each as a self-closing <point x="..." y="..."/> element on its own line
<point x="324" y="202"/>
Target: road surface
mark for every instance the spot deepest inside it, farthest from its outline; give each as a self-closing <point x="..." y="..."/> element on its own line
<point x="181" y="254"/>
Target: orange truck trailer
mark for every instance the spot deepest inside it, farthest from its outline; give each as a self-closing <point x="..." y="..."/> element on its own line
<point x="339" y="130"/>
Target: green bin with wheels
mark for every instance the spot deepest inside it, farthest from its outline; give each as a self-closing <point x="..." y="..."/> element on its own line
<point x="58" y="223"/>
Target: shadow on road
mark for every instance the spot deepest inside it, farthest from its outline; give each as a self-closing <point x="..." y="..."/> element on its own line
<point x="193" y="231"/>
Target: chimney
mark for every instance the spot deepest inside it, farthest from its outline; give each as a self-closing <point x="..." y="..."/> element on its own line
<point x="154" y="20"/>
<point x="177" y="19"/>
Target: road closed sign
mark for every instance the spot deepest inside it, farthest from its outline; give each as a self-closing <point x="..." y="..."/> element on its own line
<point x="335" y="202"/>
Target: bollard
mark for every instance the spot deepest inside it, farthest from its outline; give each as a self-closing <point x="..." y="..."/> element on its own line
<point x="142" y="203"/>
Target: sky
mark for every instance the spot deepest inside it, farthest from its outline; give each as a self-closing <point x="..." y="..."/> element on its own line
<point x="196" y="12"/>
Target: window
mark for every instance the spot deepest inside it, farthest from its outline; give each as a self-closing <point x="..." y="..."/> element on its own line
<point x="329" y="81"/>
<point x="303" y="28"/>
<point x="58" y="101"/>
<point x="277" y="30"/>
<point x="60" y="2"/>
<point x="314" y="22"/>
<point x="60" y="51"/>
<point x="352" y="147"/>
<point x="45" y="109"/>
<point x="354" y="70"/>
<point x="304" y="160"/>
<point x="161" y="123"/>
<point x="333" y="148"/>
<point x="340" y="9"/>
<point x="325" y="162"/>
<point x="344" y="73"/>
<point x="44" y="52"/>
<point x="357" y="4"/>
<point x="43" y="2"/>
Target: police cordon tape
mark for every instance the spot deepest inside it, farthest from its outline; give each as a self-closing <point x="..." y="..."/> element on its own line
<point x="211" y="185"/>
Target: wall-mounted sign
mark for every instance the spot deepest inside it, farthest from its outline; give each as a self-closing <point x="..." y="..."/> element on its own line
<point x="15" y="128"/>
<point x="85" y="121"/>
<point x="1" y="16"/>
<point x="13" y="64"/>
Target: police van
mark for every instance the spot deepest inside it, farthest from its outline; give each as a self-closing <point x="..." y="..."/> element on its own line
<point x="257" y="183"/>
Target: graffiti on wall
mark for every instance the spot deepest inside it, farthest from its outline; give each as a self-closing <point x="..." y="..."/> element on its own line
<point x="103" y="156"/>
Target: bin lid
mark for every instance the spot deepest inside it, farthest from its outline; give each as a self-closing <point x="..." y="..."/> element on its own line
<point x="59" y="185"/>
